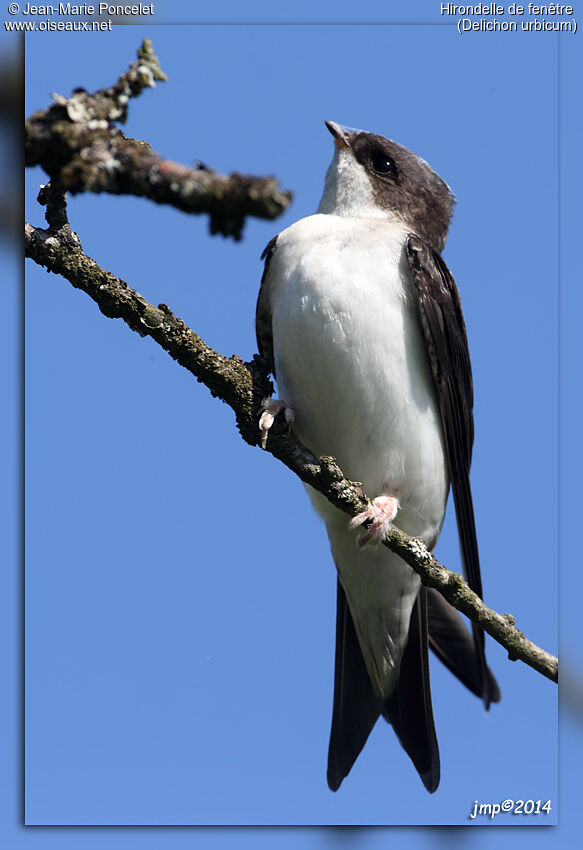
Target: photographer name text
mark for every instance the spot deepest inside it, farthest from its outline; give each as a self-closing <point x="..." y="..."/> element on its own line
<point x="71" y="9"/>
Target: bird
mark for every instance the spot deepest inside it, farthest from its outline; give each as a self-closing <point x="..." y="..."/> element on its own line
<point x="360" y="322"/>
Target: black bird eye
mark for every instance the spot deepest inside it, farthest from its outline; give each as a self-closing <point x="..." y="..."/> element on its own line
<point x="383" y="165"/>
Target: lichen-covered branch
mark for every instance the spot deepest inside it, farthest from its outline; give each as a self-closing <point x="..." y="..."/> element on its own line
<point x="76" y="143"/>
<point x="243" y="386"/>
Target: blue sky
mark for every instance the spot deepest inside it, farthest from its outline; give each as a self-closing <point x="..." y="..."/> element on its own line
<point x="180" y="593"/>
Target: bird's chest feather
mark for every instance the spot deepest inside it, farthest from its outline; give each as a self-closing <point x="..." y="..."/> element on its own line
<point x="349" y="352"/>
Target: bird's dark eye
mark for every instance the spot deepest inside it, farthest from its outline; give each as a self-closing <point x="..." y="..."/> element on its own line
<point x="383" y="165"/>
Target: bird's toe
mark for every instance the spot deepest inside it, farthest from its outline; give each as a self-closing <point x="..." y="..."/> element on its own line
<point x="377" y="520"/>
<point x="270" y="408"/>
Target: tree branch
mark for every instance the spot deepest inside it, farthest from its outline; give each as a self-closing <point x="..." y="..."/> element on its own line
<point x="243" y="386"/>
<point x="77" y="143"/>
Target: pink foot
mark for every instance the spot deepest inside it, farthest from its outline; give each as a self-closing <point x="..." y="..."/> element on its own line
<point x="380" y="515"/>
<point x="269" y="410"/>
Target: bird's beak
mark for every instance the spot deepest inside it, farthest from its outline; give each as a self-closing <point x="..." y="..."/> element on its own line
<point x="342" y="136"/>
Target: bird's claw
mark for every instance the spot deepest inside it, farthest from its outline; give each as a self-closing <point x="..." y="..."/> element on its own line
<point x="269" y="410"/>
<point x="378" y="518"/>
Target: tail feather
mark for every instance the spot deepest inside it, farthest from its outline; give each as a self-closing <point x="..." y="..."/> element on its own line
<point x="434" y="623"/>
<point x="357" y="707"/>
<point x="409" y="708"/>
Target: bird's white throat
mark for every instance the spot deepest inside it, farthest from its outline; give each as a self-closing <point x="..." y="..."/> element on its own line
<point x="348" y="191"/>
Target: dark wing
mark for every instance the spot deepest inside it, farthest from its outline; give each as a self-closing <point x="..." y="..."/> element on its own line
<point x="447" y="348"/>
<point x="453" y="644"/>
<point x="357" y="707"/>
<point x="263" y="327"/>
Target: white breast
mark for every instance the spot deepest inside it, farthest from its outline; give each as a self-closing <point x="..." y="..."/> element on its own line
<point x="351" y="362"/>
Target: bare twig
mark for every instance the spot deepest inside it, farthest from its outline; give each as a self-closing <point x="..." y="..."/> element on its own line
<point x="77" y="143"/>
<point x="243" y="386"/>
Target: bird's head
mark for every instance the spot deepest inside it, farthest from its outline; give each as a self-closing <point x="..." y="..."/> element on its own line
<point x="371" y="176"/>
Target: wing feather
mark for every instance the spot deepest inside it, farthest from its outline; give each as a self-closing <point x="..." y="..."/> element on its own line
<point x="263" y="325"/>
<point x="447" y="347"/>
